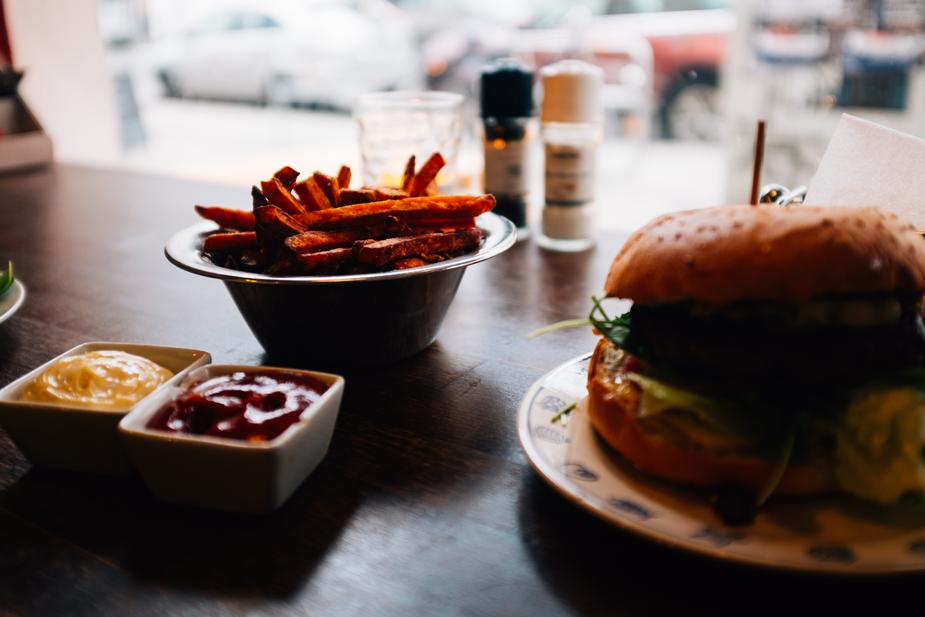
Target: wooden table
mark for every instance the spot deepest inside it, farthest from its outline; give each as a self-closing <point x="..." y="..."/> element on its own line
<point x="425" y="504"/>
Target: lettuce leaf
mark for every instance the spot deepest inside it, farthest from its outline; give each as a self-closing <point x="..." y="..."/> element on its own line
<point x="879" y="435"/>
<point x="720" y="425"/>
<point x="664" y="396"/>
<point x="6" y="279"/>
<point x="720" y="414"/>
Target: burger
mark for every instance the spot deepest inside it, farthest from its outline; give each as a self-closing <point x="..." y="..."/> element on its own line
<point x="767" y="350"/>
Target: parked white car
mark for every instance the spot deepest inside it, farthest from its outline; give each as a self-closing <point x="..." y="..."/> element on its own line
<point x="319" y="52"/>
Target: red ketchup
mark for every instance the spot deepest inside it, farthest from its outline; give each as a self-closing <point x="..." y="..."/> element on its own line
<point x="248" y="406"/>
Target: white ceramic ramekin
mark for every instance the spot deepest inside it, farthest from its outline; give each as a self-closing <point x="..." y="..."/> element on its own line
<point x="76" y="438"/>
<point x="230" y="474"/>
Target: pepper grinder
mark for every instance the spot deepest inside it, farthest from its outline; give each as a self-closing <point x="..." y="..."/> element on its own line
<point x="507" y="111"/>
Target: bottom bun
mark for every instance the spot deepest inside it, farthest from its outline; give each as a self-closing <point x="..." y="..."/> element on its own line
<point x="612" y="408"/>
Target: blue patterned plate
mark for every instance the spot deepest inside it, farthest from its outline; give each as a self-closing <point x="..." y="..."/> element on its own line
<point x="836" y="535"/>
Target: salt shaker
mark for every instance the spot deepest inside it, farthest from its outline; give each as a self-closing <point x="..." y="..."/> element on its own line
<point x="572" y="119"/>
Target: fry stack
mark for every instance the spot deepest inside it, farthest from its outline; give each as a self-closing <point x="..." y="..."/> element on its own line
<point x="320" y="225"/>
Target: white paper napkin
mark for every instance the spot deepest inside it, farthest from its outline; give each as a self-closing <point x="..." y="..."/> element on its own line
<point x="867" y="164"/>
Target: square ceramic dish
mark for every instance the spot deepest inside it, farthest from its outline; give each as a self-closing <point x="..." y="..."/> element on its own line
<point x="230" y="474"/>
<point x="77" y="439"/>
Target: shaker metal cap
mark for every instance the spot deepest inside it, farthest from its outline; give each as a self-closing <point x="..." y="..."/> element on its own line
<point x="507" y="90"/>
<point x="572" y="92"/>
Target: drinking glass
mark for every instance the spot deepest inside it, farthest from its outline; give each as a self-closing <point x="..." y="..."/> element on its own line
<point x="394" y="125"/>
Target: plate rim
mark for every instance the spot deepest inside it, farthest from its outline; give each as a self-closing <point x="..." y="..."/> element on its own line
<point x="557" y="479"/>
<point x="183" y="251"/>
<point x="21" y="288"/>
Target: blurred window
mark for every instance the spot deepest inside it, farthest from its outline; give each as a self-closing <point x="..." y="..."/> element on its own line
<point x="677" y="66"/>
<point x="650" y="6"/>
<point x="555" y="13"/>
<point x="235" y="20"/>
<point x="256" y="20"/>
<point x="217" y="22"/>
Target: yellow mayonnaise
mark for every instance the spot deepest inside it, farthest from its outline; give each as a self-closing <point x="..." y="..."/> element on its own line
<point x="97" y="380"/>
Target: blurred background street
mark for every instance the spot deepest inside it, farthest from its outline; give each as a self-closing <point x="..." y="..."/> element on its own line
<point x="685" y="81"/>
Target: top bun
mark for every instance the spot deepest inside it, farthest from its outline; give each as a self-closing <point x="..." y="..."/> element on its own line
<point x="730" y="253"/>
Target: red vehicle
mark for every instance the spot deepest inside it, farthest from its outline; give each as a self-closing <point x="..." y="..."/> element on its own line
<point x="685" y="45"/>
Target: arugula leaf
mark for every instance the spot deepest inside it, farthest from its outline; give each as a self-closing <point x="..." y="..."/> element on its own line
<point x="737" y="506"/>
<point x="564" y="412"/>
<point x="6" y="279"/>
<point x="559" y="325"/>
<point x="781" y="462"/>
<point x="617" y="330"/>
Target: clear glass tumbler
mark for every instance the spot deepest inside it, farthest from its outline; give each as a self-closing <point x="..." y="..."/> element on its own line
<point x="394" y="125"/>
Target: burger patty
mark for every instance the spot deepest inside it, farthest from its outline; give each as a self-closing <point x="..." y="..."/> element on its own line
<point x="680" y="339"/>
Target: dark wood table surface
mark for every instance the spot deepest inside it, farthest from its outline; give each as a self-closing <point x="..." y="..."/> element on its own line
<point x="425" y="504"/>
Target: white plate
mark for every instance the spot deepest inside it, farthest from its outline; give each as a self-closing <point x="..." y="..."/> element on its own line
<point x="837" y="535"/>
<point x="12" y="300"/>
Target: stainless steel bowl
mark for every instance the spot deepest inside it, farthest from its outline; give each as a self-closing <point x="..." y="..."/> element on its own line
<point x="345" y="320"/>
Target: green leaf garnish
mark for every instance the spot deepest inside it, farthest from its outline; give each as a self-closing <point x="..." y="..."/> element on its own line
<point x="615" y="329"/>
<point x="559" y="325"/>
<point x="781" y="464"/>
<point x="563" y="412"/>
<point x="6" y="279"/>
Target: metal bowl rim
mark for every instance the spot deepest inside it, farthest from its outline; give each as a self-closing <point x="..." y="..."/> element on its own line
<point x="183" y="250"/>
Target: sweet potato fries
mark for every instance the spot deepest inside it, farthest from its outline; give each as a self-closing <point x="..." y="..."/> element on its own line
<point x="319" y="225"/>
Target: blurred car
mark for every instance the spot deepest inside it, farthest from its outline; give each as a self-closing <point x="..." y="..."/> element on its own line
<point x="121" y="22"/>
<point x="319" y="52"/>
<point x="687" y="41"/>
<point x="876" y="68"/>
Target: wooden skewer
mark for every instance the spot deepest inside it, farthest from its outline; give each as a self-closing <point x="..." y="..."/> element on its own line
<point x="758" y="160"/>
